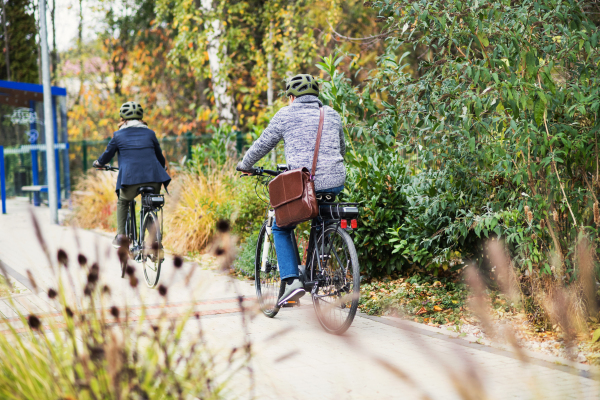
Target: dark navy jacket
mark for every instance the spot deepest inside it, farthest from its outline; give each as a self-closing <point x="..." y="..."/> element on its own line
<point x="140" y="157"/>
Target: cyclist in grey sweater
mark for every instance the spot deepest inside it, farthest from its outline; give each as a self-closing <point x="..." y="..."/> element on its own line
<point x="297" y="124"/>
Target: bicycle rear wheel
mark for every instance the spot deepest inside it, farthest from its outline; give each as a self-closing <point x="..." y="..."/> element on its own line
<point x="338" y="292"/>
<point x="269" y="287"/>
<point x="153" y="254"/>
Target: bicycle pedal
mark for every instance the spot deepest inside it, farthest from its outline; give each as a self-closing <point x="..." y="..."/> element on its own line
<point x="291" y="303"/>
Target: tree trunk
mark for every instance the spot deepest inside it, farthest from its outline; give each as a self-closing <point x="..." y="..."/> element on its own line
<point x="223" y="99"/>
<point x="270" y="66"/>
<point x="6" y="55"/>
<point x="270" y="83"/>
<point x="80" y="52"/>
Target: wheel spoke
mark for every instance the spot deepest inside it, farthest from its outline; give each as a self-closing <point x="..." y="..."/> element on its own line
<point x="152" y="253"/>
<point x="268" y="284"/>
<point x="336" y="299"/>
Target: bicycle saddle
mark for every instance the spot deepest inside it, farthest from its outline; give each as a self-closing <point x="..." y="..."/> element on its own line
<point x="326" y="197"/>
<point x="145" y="189"/>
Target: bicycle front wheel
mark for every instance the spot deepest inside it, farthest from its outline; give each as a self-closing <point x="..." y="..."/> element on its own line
<point x="153" y="253"/>
<point x="269" y="287"/>
<point x="338" y="291"/>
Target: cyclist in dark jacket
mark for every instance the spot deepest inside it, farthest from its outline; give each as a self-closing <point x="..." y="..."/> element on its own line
<point x="141" y="162"/>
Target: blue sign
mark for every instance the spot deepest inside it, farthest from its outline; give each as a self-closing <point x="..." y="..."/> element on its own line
<point x="33" y="136"/>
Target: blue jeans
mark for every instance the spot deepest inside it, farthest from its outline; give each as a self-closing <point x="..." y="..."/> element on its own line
<point x="284" y="245"/>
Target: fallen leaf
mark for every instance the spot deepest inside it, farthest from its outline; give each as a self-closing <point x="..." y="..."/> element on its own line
<point x="421" y="311"/>
<point x="437" y="308"/>
<point x="596" y="335"/>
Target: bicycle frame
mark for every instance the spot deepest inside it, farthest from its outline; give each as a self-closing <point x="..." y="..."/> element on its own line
<point x="138" y="237"/>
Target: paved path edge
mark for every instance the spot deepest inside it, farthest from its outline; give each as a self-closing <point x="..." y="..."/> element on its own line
<point x="557" y="363"/>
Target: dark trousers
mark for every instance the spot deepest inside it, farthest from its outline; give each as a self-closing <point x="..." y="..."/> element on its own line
<point x="126" y="194"/>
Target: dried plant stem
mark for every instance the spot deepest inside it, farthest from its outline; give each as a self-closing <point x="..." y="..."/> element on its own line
<point x="534" y="191"/>
<point x="590" y="188"/>
<point x="596" y="136"/>
<point x="562" y="188"/>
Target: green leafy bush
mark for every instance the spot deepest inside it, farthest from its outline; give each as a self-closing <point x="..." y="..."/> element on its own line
<point x="502" y="99"/>
<point x="244" y="264"/>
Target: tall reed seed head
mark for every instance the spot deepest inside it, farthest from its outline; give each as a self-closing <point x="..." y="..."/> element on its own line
<point x="529" y="216"/>
<point x="555" y="216"/>
<point x="162" y="290"/>
<point x="177" y="261"/>
<point x="33" y="322"/>
<point x="596" y="214"/>
<point x="62" y="258"/>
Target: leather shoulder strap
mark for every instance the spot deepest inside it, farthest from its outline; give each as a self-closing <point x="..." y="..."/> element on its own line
<point x="318" y="144"/>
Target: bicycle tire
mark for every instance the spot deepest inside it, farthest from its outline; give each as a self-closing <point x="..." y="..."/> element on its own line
<point x="266" y="282"/>
<point x="129" y="234"/>
<point x="336" y="301"/>
<point x="152" y="251"/>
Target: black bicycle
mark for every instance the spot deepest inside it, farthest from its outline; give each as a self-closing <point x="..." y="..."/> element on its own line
<point x="331" y="274"/>
<point x="145" y="246"/>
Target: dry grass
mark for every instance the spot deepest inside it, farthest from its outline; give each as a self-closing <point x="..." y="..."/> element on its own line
<point x="95" y="200"/>
<point x="199" y="201"/>
<point x="91" y="347"/>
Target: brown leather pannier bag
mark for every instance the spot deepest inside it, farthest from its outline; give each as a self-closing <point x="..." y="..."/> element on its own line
<point x="292" y="193"/>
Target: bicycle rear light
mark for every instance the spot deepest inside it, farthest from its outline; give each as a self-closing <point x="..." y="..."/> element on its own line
<point x="354" y="224"/>
<point x="344" y="224"/>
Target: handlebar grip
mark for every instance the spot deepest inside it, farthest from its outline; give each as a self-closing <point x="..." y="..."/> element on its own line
<point x="252" y="170"/>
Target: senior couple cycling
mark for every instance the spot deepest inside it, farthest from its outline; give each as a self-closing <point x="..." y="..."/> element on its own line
<point x="296" y="125"/>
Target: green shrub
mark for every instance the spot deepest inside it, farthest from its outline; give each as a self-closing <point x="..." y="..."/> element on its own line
<point x="374" y="180"/>
<point x="504" y="104"/>
<point x="250" y="208"/>
<point x="244" y="264"/>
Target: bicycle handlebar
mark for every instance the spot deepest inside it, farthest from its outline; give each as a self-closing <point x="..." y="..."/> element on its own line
<point x="107" y="167"/>
<point x="259" y="171"/>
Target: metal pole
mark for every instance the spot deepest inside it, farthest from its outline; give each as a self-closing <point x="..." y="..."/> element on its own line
<point x="56" y="154"/>
<point x="35" y="169"/>
<point x="65" y="139"/>
<point x="2" y="180"/>
<point x="84" y="151"/>
<point x="48" y="125"/>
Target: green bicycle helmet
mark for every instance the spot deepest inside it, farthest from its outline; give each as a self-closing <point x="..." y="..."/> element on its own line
<point x="131" y="110"/>
<point x="300" y="85"/>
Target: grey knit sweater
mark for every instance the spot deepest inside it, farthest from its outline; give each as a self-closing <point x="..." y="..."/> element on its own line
<point x="297" y="125"/>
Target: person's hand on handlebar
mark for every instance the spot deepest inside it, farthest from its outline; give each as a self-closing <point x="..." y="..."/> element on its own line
<point x="97" y="165"/>
<point x="244" y="172"/>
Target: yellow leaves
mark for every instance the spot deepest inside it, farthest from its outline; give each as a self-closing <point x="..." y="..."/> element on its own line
<point x="596" y="335"/>
<point x="437" y="308"/>
<point x="557" y="39"/>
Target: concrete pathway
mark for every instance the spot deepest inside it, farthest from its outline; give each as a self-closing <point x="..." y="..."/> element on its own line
<point x="378" y="358"/>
